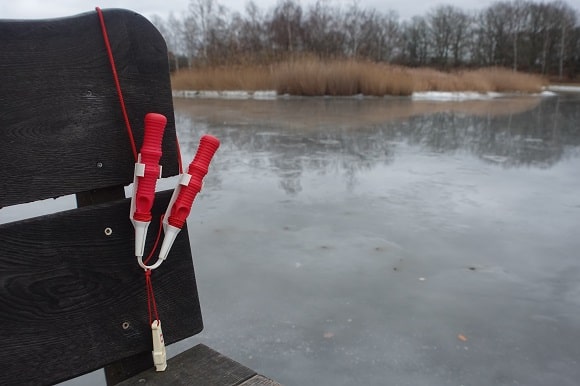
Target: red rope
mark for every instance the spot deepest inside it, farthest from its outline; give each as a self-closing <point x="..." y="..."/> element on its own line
<point x="156" y="241"/>
<point x="178" y="154"/>
<point x="117" y="83"/>
<point x="151" y="304"/>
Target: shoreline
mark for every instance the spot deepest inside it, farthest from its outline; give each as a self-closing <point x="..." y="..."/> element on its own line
<point x="416" y="96"/>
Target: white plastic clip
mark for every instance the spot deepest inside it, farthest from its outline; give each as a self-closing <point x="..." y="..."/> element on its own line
<point x="169" y="230"/>
<point x="140" y="227"/>
<point x="159" y="354"/>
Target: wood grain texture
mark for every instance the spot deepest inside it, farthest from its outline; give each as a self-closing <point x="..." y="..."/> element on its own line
<point x="200" y="366"/>
<point x="61" y="126"/>
<point x="128" y="367"/>
<point x="66" y="289"/>
<point x="98" y="196"/>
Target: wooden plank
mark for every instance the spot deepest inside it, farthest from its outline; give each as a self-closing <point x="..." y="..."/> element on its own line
<point x="260" y="380"/>
<point x="72" y="298"/>
<point x="61" y="126"/>
<point x="128" y="367"/>
<point x="200" y="366"/>
<point x="98" y="196"/>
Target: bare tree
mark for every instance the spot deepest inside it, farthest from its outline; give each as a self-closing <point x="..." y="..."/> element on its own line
<point x="379" y="36"/>
<point x="567" y="18"/>
<point x="521" y="34"/>
<point x="322" y="32"/>
<point x="390" y="35"/>
<point x="206" y="21"/>
<point x="535" y="33"/>
<point x="518" y="14"/>
<point x="252" y="31"/>
<point x="191" y="39"/>
<point x="353" y="27"/>
<point x="285" y="26"/>
<point x="484" y="45"/>
<point x="440" y="32"/>
<point x="499" y="15"/>
<point x="549" y="28"/>
<point x="416" y="41"/>
<point x="370" y="37"/>
<point x="461" y="25"/>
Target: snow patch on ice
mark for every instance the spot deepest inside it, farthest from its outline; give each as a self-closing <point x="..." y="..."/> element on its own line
<point x="452" y="96"/>
<point x="225" y="94"/>
<point x="564" y="88"/>
<point x="265" y="94"/>
<point x="442" y="96"/>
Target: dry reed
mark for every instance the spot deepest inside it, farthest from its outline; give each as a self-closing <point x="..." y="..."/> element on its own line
<point x="315" y="77"/>
<point x="250" y="78"/>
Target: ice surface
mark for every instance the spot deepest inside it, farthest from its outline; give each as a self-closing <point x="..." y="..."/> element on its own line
<point x="310" y="239"/>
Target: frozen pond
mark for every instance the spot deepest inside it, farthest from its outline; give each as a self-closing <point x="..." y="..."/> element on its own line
<point x="348" y="242"/>
<point x="390" y="241"/>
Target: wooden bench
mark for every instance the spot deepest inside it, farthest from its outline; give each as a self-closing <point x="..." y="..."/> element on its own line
<point x="72" y="296"/>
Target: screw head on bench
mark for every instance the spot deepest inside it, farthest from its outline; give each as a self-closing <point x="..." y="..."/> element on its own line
<point x="108" y="231"/>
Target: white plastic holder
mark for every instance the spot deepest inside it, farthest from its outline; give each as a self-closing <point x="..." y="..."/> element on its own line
<point x="140" y="226"/>
<point x="170" y="231"/>
<point x="159" y="352"/>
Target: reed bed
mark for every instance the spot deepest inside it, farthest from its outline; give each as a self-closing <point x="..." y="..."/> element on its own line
<point x="249" y="78"/>
<point x="312" y="77"/>
<point x="315" y="77"/>
<point x="483" y="80"/>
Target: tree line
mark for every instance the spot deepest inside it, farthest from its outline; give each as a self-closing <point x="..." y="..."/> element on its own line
<point x="539" y="37"/>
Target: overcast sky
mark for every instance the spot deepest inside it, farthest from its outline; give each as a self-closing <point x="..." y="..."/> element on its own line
<point x="35" y="9"/>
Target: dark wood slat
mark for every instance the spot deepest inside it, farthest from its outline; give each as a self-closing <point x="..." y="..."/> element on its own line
<point x="200" y="366"/>
<point x="98" y="196"/>
<point x="260" y="380"/>
<point x="128" y="367"/>
<point x="61" y="127"/>
<point x="66" y="289"/>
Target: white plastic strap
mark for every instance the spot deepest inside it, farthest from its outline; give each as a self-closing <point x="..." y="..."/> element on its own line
<point x="184" y="179"/>
<point x="139" y="169"/>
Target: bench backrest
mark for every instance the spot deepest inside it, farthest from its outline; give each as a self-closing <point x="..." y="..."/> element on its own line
<point x="72" y="297"/>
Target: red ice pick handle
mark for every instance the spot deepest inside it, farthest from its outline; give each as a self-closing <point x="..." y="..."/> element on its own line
<point x="208" y="145"/>
<point x="150" y="155"/>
